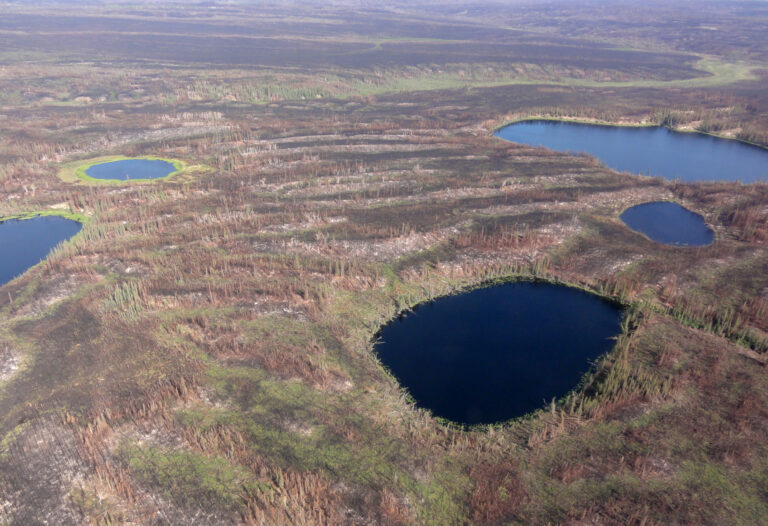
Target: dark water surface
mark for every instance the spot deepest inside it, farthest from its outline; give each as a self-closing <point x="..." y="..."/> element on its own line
<point x="496" y="353"/>
<point x="26" y="242"/>
<point x="655" y="151"/>
<point x="131" y="169"/>
<point x="668" y="223"/>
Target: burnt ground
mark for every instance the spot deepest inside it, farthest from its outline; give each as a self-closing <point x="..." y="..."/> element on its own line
<point x="201" y="353"/>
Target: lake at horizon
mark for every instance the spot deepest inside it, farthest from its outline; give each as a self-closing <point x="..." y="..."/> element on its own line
<point x="654" y="150"/>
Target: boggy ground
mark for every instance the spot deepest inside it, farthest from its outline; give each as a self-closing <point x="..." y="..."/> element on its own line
<point x="201" y="352"/>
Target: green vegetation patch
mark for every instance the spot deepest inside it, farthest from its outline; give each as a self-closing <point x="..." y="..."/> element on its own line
<point x="191" y="478"/>
<point x="74" y="216"/>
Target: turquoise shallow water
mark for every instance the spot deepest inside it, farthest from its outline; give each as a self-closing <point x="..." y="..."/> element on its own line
<point x="655" y="151"/>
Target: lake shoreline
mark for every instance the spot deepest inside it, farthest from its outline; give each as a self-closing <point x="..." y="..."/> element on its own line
<point x="626" y="124"/>
<point x="648" y="150"/>
<point x="621" y="307"/>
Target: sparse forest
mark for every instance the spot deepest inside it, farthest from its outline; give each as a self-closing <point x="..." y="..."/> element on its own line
<point x="202" y="351"/>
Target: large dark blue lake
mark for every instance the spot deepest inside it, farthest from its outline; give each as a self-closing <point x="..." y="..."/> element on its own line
<point x="499" y="352"/>
<point x="131" y="169"/>
<point x="26" y="242"/>
<point x="655" y="151"/>
<point x="668" y="223"/>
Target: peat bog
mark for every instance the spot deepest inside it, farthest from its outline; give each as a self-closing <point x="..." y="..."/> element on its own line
<point x="654" y="151"/>
<point x="668" y="223"/>
<point x="500" y="352"/>
<point x="26" y="242"/>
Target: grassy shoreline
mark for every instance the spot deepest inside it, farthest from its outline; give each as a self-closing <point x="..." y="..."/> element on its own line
<point x="80" y="218"/>
<point x="76" y="171"/>
<point x="625" y="307"/>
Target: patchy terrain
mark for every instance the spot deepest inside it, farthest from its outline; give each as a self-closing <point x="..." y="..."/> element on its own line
<point x="201" y="353"/>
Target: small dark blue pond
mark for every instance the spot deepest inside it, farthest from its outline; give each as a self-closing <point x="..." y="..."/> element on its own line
<point x="668" y="223"/>
<point x="26" y="242"/>
<point x="655" y="151"/>
<point x="130" y="169"/>
<point x="499" y="352"/>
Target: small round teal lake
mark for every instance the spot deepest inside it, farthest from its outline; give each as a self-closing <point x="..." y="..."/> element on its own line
<point x="499" y="352"/>
<point x="668" y="223"/>
<point x="655" y="151"/>
<point x="26" y="242"/>
<point x="131" y="169"/>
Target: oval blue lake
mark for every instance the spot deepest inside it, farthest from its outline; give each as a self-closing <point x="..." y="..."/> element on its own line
<point x="496" y="353"/>
<point x="26" y="242"/>
<point x="130" y="169"/>
<point x="668" y="223"/>
<point x="655" y="151"/>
